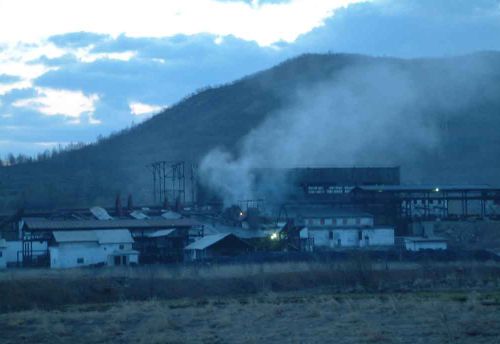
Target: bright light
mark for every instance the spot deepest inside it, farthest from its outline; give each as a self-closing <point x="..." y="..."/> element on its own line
<point x="241" y="213"/>
<point x="274" y="236"/>
<point x="436" y="189"/>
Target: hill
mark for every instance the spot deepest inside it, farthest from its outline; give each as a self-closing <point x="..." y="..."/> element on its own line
<point x="436" y="118"/>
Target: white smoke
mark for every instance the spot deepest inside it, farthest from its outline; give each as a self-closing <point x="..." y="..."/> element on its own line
<point x="376" y="114"/>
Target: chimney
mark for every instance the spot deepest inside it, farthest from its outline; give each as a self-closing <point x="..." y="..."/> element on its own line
<point x="118" y="206"/>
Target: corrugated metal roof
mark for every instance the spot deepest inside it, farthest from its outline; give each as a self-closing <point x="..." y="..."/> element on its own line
<point x="44" y="224"/>
<point x="75" y="236"/>
<point x="322" y="211"/>
<point x="139" y="215"/>
<point x="427" y="187"/>
<point x="171" y="215"/>
<point x="100" y="213"/>
<point x="207" y="241"/>
<point x="160" y="233"/>
<point x="238" y="231"/>
<point x="113" y="236"/>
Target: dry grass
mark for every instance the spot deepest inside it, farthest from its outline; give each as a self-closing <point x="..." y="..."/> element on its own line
<point x="50" y="290"/>
<point x="269" y="318"/>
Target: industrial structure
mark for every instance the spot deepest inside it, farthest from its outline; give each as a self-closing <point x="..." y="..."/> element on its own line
<point x="296" y="209"/>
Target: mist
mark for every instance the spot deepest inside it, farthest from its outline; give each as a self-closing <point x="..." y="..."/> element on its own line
<point x="373" y="114"/>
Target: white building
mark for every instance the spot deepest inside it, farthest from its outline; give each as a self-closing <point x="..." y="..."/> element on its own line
<point x="351" y="237"/>
<point x="421" y="243"/>
<point x="14" y="253"/>
<point x="337" y="228"/>
<point x="3" y="254"/>
<point x="92" y="247"/>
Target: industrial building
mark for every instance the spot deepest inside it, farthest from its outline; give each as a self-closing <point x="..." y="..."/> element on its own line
<point x="424" y="243"/>
<point x="217" y="246"/>
<point x="332" y="228"/>
<point x="78" y="248"/>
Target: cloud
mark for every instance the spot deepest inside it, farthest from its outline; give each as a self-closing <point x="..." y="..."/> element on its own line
<point x="140" y="109"/>
<point x="408" y="28"/>
<point x="186" y="45"/>
<point x="66" y="103"/>
<point x="263" y="22"/>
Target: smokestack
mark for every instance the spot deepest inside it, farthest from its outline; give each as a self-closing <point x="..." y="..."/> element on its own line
<point x="130" y="203"/>
<point x="118" y="206"/>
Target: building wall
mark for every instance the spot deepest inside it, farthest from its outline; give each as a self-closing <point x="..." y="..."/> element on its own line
<point x="13" y="247"/>
<point x="362" y="221"/>
<point x="3" y="258"/>
<point x="377" y="237"/>
<point x="68" y="255"/>
<point x="352" y="237"/>
<point x="411" y="245"/>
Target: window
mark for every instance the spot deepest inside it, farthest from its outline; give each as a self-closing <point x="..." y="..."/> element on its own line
<point x="1" y="253"/>
<point x="331" y="235"/>
<point x="358" y="221"/>
<point x="344" y="221"/>
<point x="121" y="247"/>
<point x="79" y="261"/>
<point x="322" y="221"/>
<point x="315" y="189"/>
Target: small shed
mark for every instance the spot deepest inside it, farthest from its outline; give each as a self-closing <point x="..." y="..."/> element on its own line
<point x="424" y="243"/>
<point x="216" y="245"/>
<point x="3" y="254"/>
<point x="92" y="247"/>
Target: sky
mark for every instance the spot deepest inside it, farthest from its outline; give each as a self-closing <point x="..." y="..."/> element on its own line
<point x="73" y="70"/>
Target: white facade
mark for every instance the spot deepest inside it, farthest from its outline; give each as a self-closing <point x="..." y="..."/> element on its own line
<point x="3" y="254"/>
<point x="420" y="243"/>
<point x="14" y="254"/>
<point x="351" y="237"/>
<point x="339" y="221"/>
<point x="84" y="248"/>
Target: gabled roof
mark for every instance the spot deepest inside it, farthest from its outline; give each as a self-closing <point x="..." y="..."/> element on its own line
<point x="207" y="241"/>
<point x="115" y="236"/>
<point x="45" y="224"/>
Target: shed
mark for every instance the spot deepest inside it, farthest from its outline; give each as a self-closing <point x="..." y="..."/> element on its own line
<point x="92" y="247"/>
<point x="3" y="255"/>
<point x="216" y="245"/>
<point x="423" y="243"/>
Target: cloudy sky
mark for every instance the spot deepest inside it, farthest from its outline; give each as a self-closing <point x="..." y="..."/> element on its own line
<point x="71" y="70"/>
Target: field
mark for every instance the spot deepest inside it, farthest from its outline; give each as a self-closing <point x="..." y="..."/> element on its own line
<point x="269" y="318"/>
<point x="355" y="302"/>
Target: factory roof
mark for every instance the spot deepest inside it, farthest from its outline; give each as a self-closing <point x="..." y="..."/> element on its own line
<point x="322" y="211"/>
<point x="207" y="241"/>
<point x="160" y="233"/>
<point x="115" y="236"/>
<point x="46" y="224"/>
<point x="427" y="187"/>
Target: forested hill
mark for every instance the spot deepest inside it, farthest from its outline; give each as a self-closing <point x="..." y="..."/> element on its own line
<point x="454" y="107"/>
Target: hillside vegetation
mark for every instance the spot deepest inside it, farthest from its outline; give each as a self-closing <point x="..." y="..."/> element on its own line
<point x="456" y="97"/>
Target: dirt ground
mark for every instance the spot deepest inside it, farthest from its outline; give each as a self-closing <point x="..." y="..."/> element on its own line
<point x="312" y="317"/>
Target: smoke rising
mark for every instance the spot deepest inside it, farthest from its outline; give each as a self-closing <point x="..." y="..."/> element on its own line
<point x="377" y="113"/>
